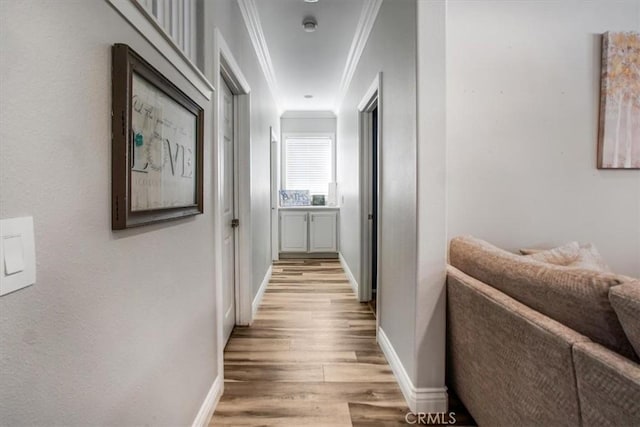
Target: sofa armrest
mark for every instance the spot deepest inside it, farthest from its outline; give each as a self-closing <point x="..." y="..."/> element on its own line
<point x="509" y="364"/>
<point x="608" y="386"/>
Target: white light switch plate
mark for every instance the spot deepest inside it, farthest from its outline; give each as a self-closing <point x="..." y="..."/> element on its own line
<point x="13" y="254"/>
<point x="17" y="254"/>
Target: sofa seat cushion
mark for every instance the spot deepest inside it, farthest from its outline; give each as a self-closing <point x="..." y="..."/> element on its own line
<point x="577" y="298"/>
<point x="625" y="300"/>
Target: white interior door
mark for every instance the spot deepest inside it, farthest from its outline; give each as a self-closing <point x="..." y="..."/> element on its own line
<point x="228" y="212"/>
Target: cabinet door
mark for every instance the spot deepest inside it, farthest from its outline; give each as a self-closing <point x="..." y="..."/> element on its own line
<point x="323" y="230"/>
<point x="293" y="232"/>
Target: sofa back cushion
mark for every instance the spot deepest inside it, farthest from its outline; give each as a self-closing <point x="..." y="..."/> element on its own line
<point x="576" y="298"/>
<point x="625" y="300"/>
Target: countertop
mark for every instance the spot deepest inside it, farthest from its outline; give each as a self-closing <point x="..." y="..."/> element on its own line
<point x="309" y="208"/>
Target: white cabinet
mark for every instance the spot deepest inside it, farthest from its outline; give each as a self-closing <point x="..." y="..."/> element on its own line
<point x="323" y="231"/>
<point x="293" y="231"/>
<point x="308" y="231"/>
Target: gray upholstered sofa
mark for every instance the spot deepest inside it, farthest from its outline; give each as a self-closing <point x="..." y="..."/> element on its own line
<point x="533" y="344"/>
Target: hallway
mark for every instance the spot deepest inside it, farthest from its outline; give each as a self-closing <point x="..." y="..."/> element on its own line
<point x="310" y="357"/>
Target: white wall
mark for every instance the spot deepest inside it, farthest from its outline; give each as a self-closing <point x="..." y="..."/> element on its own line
<point x="492" y="87"/>
<point x="432" y="236"/>
<point x="523" y="96"/>
<point x="226" y="16"/>
<point x="308" y="125"/>
<point x="390" y="49"/>
<point x="119" y="328"/>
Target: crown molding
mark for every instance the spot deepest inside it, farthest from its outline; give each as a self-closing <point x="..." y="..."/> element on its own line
<point x="296" y="114"/>
<point x="254" y="27"/>
<point x="363" y="30"/>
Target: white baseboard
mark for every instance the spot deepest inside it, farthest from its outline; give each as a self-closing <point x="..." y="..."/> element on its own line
<point x="419" y="399"/>
<point x="352" y="280"/>
<point x="263" y="287"/>
<point x="209" y="405"/>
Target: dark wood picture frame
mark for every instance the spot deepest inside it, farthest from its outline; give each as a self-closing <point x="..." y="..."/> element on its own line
<point x="126" y="64"/>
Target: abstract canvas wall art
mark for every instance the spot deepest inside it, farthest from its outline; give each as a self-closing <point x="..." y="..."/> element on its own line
<point x="619" y="133"/>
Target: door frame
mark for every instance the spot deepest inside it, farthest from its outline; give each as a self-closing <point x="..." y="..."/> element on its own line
<point x="224" y="80"/>
<point x="371" y="99"/>
<point x="225" y="67"/>
<point x="275" y="180"/>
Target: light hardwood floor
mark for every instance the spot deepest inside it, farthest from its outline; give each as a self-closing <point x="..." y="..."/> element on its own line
<point x="310" y="357"/>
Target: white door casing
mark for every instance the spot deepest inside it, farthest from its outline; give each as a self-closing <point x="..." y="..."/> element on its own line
<point x="226" y="69"/>
<point x="228" y="211"/>
<point x="275" y="179"/>
<point x="371" y="100"/>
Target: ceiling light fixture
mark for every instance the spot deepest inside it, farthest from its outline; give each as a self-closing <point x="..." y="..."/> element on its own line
<point x="309" y="24"/>
<point x="311" y="1"/>
<point x="308" y="96"/>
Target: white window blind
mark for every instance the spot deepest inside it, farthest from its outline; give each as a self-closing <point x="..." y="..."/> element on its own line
<point x="308" y="164"/>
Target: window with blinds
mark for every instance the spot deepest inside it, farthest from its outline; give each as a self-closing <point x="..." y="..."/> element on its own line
<point x="308" y="164"/>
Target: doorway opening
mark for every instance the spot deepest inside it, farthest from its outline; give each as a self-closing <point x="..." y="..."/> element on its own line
<point x="370" y="113"/>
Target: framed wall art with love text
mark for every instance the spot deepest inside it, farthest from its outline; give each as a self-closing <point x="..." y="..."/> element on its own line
<point x="157" y="145"/>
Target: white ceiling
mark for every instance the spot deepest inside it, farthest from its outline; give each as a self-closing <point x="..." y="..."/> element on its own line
<point x="309" y="63"/>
